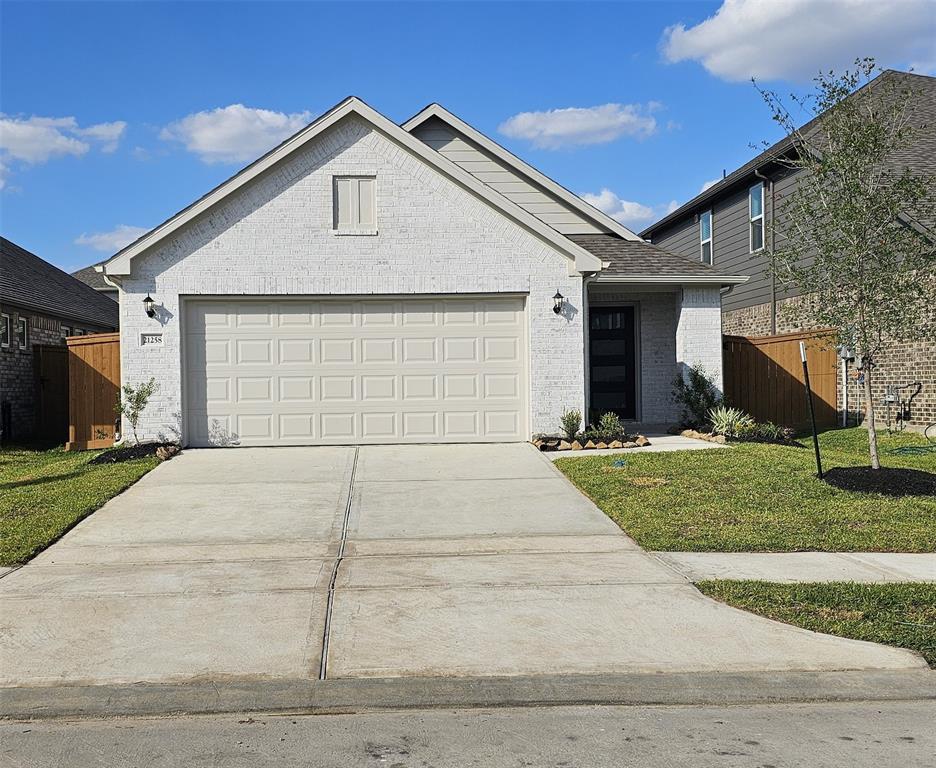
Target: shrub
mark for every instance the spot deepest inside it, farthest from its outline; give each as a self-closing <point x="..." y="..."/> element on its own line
<point x="132" y="401"/>
<point x="773" y="433"/>
<point x="697" y="395"/>
<point x="731" y="422"/>
<point x="571" y="423"/>
<point x="609" y="425"/>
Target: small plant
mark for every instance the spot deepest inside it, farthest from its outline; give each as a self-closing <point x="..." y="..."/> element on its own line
<point x="769" y="432"/>
<point x="571" y="423"/>
<point x="697" y="395"/>
<point x="731" y="422"/>
<point x="609" y="425"/>
<point x="132" y="401"/>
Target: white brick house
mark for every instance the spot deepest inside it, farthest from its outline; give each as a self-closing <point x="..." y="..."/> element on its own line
<point x="366" y="282"/>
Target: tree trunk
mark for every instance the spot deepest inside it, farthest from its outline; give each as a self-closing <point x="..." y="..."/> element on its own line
<point x="869" y="415"/>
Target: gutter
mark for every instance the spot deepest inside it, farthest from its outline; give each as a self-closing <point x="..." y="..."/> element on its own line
<point x="673" y="279"/>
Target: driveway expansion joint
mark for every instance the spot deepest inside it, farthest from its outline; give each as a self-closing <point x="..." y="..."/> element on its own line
<point x="330" y="604"/>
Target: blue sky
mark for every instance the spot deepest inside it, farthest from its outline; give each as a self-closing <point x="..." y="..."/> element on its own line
<point x="116" y="115"/>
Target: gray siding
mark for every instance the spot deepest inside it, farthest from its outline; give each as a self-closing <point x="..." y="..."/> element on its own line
<point x="731" y="243"/>
<point x="493" y="172"/>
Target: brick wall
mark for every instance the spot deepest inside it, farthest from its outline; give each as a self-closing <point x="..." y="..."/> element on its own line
<point x="17" y="377"/>
<point x="17" y="381"/>
<point x="273" y="237"/>
<point x="900" y="363"/>
<point x="698" y="331"/>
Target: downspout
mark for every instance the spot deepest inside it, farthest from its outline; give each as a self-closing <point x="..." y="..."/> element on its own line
<point x="773" y="235"/>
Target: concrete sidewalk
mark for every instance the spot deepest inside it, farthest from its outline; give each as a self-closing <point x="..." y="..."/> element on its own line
<point x="791" y="567"/>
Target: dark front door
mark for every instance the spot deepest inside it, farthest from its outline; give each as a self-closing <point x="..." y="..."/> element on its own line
<point x="613" y="361"/>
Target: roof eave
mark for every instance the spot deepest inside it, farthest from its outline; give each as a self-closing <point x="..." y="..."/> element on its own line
<point x="673" y="279"/>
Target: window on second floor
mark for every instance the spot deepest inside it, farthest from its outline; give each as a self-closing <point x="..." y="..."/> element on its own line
<point x="705" y="237"/>
<point x="355" y="204"/>
<point x="756" y="215"/>
<point x="22" y="333"/>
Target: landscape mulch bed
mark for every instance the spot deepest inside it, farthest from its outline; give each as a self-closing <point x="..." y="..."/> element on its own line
<point x="127" y="453"/>
<point x="890" y="481"/>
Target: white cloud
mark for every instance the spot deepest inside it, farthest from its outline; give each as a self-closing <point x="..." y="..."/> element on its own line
<point x="709" y="183"/>
<point x="109" y="134"/>
<point x="795" y="39"/>
<point x="113" y="241"/>
<point x="38" y="139"/>
<point x="234" y="133"/>
<point x="557" y="128"/>
<point x="629" y="213"/>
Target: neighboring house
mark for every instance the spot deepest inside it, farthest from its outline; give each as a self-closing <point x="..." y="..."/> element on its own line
<point x="93" y="277"/>
<point x="730" y="226"/>
<point x="40" y="305"/>
<point x="366" y="282"/>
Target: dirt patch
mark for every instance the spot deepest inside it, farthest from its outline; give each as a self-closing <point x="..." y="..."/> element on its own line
<point x="128" y="453"/>
<point x="889" y="481"/>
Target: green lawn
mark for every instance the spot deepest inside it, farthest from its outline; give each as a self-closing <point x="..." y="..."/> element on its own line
<point x="894" y="614"/>
<point x="44" y="493"/>
<point x="759" y="498"/>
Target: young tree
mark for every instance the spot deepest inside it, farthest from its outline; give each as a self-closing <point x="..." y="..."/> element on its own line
<point x="132" y="401"/>
<point x="856" y="232"/>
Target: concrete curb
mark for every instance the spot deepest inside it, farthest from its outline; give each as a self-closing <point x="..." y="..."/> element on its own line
<point x="363" y="695"/>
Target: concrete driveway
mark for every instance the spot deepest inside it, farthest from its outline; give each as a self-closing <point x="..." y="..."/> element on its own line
<point x="225" y="565"/>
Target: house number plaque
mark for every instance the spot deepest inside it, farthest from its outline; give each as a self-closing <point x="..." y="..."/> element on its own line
<point x="151" y="339"/>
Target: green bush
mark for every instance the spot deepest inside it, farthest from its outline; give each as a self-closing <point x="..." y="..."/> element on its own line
<point x="731" y="422"/>
<point x="609" y="425"/>
<point x="697" y="395"/>
<point x="571" y="423"/>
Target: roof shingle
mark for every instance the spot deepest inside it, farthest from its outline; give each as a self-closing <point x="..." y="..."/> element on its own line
<point x="637" y="258"/>
<point x="29" y="282"/>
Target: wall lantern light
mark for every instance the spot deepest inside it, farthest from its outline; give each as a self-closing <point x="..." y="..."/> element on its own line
<point x="558" y="302"/>
<point x="150" y="306"/>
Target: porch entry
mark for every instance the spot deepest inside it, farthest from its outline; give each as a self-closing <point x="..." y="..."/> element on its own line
<point x="612" y="361"/>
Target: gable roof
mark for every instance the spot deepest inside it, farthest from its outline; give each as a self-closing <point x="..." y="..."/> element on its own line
<point x="511" y="160"/>
<point x="921" y="155"/>
<point x="640" y="261"/>
<point x="31" y="283"/>
<point x="583" y="261"/>
<point x="93" y="277"/>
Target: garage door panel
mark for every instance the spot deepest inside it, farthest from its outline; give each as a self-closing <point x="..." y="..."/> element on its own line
<point x="336" y="351"/>
<point x="363" y="371"/>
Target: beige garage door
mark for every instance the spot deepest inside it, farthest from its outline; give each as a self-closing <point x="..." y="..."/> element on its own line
<point x="323" y="371"/>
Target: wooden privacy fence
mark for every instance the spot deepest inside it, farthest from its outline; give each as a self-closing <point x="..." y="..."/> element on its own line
<point x="50" y="369"/>
<point x="93" y="385"/>
<point x="764" y="377"/>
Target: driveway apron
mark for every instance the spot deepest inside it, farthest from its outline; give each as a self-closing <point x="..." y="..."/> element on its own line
<point x="421" y="561"/>
<point x="215" y="565"/>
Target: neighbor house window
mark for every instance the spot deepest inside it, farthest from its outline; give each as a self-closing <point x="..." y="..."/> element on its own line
<point x="4" y="330"/>
<point x="355" y="204"/>
<point x="66" y="332"/>
<point x="756" y="210"/>
<point x="22" y="333"/>
<point x="705" y="237"/>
